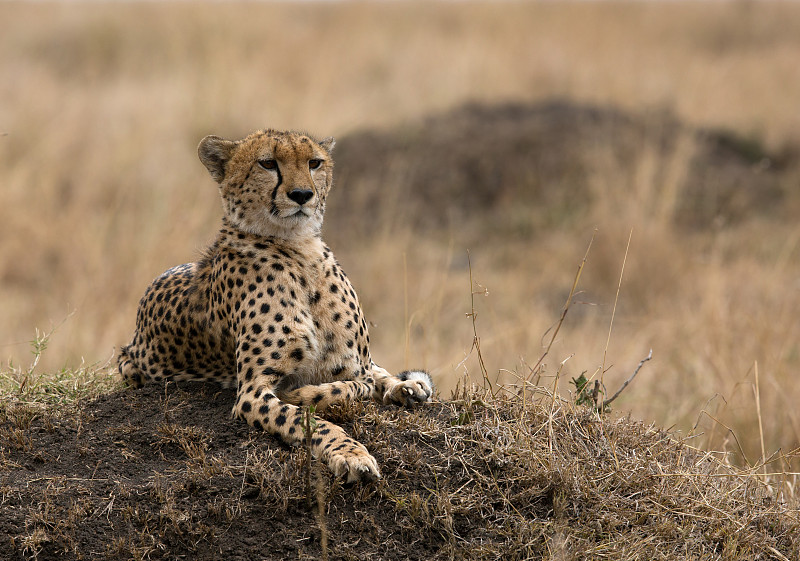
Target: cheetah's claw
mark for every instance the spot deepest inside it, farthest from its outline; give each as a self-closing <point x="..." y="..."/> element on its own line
<point x="354" y="465"/>
<point x="408" y="393"/>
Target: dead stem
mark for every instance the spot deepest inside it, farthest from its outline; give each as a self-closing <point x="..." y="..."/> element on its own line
<point x="566" y="306"/>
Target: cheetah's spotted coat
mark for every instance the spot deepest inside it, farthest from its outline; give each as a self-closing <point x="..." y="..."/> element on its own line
<point x="267" y="308"/>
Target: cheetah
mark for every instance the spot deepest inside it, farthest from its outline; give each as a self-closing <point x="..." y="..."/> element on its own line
<point x="267" y="308"/>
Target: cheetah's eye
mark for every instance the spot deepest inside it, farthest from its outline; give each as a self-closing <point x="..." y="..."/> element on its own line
<point x="314" y="164"/>
<point x="268" y="164"/>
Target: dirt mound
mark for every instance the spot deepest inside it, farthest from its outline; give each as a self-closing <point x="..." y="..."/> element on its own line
<point x="551" y="161"/>
<point x="157" y="474"/>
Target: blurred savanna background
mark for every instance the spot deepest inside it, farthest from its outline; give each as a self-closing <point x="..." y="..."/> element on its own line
<point x="482" y="149"/>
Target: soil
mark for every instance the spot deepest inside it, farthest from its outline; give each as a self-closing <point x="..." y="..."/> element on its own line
<point x="165" y="473"/>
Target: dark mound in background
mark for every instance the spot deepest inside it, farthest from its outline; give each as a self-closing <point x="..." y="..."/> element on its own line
<point x="553" y="160"/>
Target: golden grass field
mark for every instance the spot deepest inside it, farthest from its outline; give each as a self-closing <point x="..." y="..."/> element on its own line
<point x="102" y="107"/>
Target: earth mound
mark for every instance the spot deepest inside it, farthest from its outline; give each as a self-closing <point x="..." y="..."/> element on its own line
<point x="552" y="161"/>
<point x="165" y="473"/>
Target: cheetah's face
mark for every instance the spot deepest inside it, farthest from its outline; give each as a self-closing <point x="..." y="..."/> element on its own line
<point x="271" y="183"/>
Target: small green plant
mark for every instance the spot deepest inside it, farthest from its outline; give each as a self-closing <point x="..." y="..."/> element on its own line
<point x="24" y="377"/>
<point x="63" y="386"/>
<point x="309" y="428"/>
<point x="584" y="395"/>
<point x="591" y="397"/>
<point x="467" y="414"/>
<point x="465" y="398"/>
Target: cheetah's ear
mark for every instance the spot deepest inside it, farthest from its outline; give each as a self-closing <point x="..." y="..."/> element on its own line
<point x="215" y="152"/>
<point x="328" y="144"/>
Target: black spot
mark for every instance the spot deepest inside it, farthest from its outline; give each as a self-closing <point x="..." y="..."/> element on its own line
<point x="256" y="328"/>
<point x="275" y="355"/>
<point x="246" y="407"/>
<point x="280" y="420"/>
<point x="297" y="354"/>
<point x="279" y="317"/>
<point x="264" y="409"/>
<point x="277" y="266"/>
<point x="257" y="424"/>
<point x="264" y="308"/>
<point x="334" y="288"/>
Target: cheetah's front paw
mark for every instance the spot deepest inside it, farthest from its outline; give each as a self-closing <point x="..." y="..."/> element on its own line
<point x="416" y="387"/>
<point x="354" y="463"/>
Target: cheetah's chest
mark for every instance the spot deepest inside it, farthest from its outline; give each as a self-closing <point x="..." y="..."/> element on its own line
<point x="279" y="298"/>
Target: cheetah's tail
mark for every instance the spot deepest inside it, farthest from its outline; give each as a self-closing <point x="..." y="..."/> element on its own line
<point x="129" y="372"/>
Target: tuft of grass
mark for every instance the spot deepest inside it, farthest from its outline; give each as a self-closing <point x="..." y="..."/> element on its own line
<point x="64" y="387"/>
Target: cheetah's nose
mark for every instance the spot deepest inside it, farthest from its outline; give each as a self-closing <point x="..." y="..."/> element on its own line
<point x="301" y="196"/>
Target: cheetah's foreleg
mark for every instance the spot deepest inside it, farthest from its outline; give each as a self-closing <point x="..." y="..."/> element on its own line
<point x="261" y="408"/>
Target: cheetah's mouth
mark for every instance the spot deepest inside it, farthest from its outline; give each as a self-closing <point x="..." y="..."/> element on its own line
<point x="297" y="213"/>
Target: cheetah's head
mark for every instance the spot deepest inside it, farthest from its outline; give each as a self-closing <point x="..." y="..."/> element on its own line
<point x="272" y="183"/>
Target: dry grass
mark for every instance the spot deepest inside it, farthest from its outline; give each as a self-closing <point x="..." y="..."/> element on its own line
<point x="103" y="106"/>
<point x="157" y="475"/>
